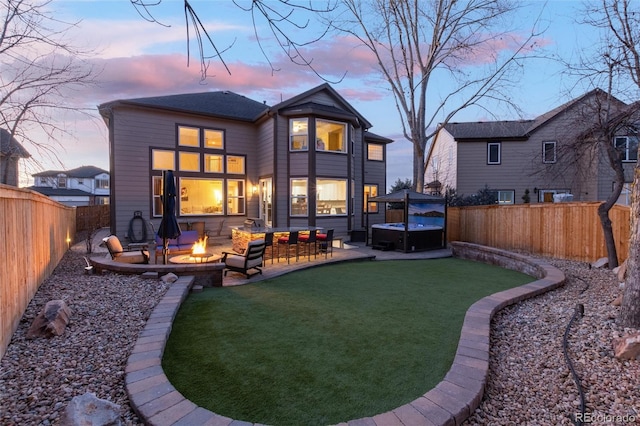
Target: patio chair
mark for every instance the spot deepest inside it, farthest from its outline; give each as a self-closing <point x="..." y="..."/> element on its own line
<point x="288" y="241"/>
<point x="308" y="240"/>
<point x="119" y="254"/>
<point x="326" y="242"/>
<point x="251" y="259"/>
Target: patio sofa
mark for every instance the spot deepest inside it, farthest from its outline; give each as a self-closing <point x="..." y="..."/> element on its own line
<point x="181" y="245"/>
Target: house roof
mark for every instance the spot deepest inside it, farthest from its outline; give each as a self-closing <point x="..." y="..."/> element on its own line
<point x="490" y="130"/>
<point x="80" y="172"/>
<point x="60" y="192"/>
<point x="223" y="104"/>
<point x="9" y="146"/>
<point x="373" y="137"/>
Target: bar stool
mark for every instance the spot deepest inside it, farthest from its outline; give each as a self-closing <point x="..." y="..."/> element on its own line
<point x="326" y="242"/>
<point x="288" y="241"/>
<point x="268" y="241"/>
<point x="307" y="240"/>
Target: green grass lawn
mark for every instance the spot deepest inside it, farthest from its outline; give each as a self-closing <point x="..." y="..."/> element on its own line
<point x="328" y="344"/>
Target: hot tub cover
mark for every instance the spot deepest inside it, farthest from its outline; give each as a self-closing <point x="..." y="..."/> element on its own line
<point x="401" y="196"/>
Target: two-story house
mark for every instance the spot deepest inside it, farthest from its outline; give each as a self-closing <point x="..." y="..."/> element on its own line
<point x="83" y="186"/>
<point x="307" y="161"/>
<point x="551" y="154"/>
<point x="10" y="154"/>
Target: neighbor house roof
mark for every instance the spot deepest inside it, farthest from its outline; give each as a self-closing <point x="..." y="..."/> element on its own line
<point x="223" y="104"/>
<point x="80" y="172"/>
<point x="63" y="192"/>
<point x="489" y="130"/>
<point x="9" y="146"/>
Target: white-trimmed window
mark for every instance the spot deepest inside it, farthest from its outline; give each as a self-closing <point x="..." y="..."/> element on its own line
<point x="333" y="134"/>
<point x="235" y="197"/>
<point x="298" y="197"/>
<point x="493" y="152"/>
<point x="331" y="197"/>
<point x="370" y="191"/>
<point x="201" y="196"/>
<point x="62" y="181"/>
<point x="628" y="146"/>
<point x="213" y="139"/>
<point x="213" y="163"/>
<point x="375" y="152"/>
<point x="235" y="164"/>
<point x="506" y="197"/>
<point x="189" y="161"/>
<point x="102" y="183"/>
<point x="549" y="152"/>
<point x="188" y="136"/>
<point x="299" y="134"/>
<point x="163" y="160"/>
<point x="156" y="191"/>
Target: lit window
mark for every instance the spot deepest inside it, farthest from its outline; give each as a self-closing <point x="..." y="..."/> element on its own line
<point x="235" y="197"/>
<point x="375" y="152"/>
<point x="189" y="161"/>
<point x="235" y="164"/>
<point x="493" y="153"/>
<point x="371" y="191"/>
<point x="157" y="192"/>
<point x="549" y="152"/>
<point x="201" y="196"/>
<point x="188" y="136"/>
<point x="332" y="134"/>
<point x="213" y="163"/>
<point x="506" y="197"/>
<point x="298" y="134"/>
<point x="298" y="197"/>
<point x="213" y="139"/>
<point x="628" y="147"/>
<point x="331" y="195"/>
<point x="163" y="160"/>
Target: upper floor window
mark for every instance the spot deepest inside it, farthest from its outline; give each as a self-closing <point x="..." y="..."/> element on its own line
<point x="213" y="139"/>
<point x="163" y="160"/>
<point x="332" y="134"/>
<point x="188" y="136"/>
<point x="235" y="164"/>
<point x="213" y="163"/>
<point x="493" y="153"/>
<point x="102" y="183"/>
<point x="549" y="152"/>
<point x="628" y="147"/>
<point x="375" y="152"/>
<point x="62" y="181"/>
<point x="189" y="161"/>
<point x="299" y="134"/>
<point x="370" y="191"/>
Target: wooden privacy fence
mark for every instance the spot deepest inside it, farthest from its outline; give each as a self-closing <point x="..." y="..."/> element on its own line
<point x="35" y="232"/>
<point x="89" y="218"/>
<point x="562" y="230"/>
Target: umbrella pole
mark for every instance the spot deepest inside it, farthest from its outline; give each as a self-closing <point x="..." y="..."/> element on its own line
<point x="165" y="242"/>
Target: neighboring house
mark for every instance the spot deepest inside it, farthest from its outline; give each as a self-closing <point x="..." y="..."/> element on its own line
<point x="10" y="154"/>
<point x="539" y="155"/>
<point x="83" y="186"/>
<point x="307" y="161"/>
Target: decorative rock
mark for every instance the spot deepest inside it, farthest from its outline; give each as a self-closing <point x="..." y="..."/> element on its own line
<point x="603" y="262"/>
<point x="149" y="275"/>
<point x="88" y="409"/>
<point x="51" y="321"/>
<point x="169" y="278"/>
<point x="617" y="301"/>
<point x="627" y="347"/>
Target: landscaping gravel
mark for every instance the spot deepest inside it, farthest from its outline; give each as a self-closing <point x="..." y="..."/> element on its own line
<point x="529" y="381"/>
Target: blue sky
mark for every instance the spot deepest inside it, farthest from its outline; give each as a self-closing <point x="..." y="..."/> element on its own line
<point x="138" y="58"/>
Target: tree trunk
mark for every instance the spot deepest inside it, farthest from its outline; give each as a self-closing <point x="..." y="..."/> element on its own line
<point x="630" y="309"/>
<point x="609" y="240"/>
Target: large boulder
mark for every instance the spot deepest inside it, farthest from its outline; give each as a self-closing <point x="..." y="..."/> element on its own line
<point x="627" y="347"/>
<point x="89" y="410"/>
<point x="51" y="321"/>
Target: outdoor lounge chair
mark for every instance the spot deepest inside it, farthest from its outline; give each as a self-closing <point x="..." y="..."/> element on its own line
<point x="251" y="259"/>
<point x="118" y="254"/>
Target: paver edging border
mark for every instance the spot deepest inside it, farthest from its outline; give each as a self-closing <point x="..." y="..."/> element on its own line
<point x="452" y="401"/>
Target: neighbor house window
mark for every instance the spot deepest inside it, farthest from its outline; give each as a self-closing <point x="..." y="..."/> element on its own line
<point x="188" y="136"/>
<point x="375" y="152"/>
<point x="163" y="160"/>
<point x="493" y="153"/>
<point x="298" y="197"/>
<point x="62" y="181"/>
<point x="625" y="195"/>
<point x="331" y="195"/>
<point x="235" y="196"/>
<point x="299" y="134"/>
<point x="201" y="196"/>
<point x="189" y="161"/>
<point x="370" y="191"/>
<point x="235" y="164"/>
<point x="506" y="197"/>
<point x="546" y="195"/>
<point x="102" y="183"/>
<point x="332" y="134"/>
<point x="628" y="146"/>
<point x="213" y="139"/>
<point x="549" y="152"/>
<point x="213" y="163"/>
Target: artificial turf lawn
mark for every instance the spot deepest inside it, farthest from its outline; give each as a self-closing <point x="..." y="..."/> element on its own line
<point x="327" y="344"/>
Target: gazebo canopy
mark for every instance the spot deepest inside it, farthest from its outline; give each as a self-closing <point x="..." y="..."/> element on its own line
<point x="407" y="194"/>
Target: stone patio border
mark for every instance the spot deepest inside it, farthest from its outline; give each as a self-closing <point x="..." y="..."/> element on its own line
<point x="452" y="401"/>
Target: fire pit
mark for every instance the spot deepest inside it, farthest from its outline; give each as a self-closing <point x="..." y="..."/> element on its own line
<point x="195" y="258"/>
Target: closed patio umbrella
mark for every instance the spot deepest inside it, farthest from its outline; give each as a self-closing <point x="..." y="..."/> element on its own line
<point x="169" y="227"/>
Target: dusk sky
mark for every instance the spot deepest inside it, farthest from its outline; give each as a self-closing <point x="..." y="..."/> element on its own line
<point x="138" y="58"/>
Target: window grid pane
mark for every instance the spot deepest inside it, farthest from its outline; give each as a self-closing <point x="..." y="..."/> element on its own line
<point x="298" y="197"/>
<point x="213" y="163"/>
<point x="213" y="139"/>
<point x="189" y="162"/>
<point x="163" y="160"/>
<point x="375" y="152"/>
<point x="332" y="135"/>
<point x="235" y="165"/>
<point x="235" y="197"/>
<point x="188" y="136"/>
<point x="298" y="134"/>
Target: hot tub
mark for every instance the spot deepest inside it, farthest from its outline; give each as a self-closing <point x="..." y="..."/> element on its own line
<point x="390" y="236"/>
